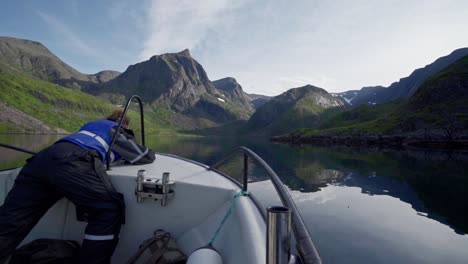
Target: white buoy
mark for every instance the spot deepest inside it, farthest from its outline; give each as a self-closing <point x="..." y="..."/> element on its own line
<point x="205" y="255"/>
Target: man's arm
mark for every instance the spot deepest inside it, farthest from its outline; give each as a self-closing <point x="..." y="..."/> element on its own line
<point x="128" y="150"/>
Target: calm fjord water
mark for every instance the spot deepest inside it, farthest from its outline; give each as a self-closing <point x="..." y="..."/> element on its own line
<point x="361" y="206"/>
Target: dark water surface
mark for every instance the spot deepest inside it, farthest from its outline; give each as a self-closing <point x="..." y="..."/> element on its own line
<point x="361" y="206"/>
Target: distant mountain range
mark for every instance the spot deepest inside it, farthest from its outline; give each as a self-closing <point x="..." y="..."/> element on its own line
<point x="402" y="89"/>
<point x="438" y="109"/>
<point x="174" y="83"/>
<point x="180" y="97"/>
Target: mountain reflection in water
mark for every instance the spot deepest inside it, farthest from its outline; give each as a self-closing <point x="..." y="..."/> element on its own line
<point x="433" y="183"/>
<point x="361" y="205"/>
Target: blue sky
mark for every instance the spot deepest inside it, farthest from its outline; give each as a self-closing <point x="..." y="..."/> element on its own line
<point x="268" y="46"/>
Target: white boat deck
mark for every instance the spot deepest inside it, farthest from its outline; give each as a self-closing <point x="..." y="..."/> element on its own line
<point x="202" y="197"/>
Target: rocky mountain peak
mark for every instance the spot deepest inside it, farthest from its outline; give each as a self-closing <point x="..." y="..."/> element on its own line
<point x="295" y="108"/>
<point x="185" y="53"/>
<point x="232" y="90"/>
<point x="227" y="84"/>
<point x="164" y="76"/>
<point x="177" y="82"/>
<point x="300" y="92"/>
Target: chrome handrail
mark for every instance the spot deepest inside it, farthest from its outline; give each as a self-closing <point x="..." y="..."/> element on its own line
<point x="116" y="134"/>
<point x="304" y="244"/>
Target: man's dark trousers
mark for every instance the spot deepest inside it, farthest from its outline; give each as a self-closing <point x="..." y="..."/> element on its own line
<point x="64" y="170"/>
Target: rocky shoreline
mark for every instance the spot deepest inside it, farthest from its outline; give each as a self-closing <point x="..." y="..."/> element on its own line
<point x="391" y="141"/>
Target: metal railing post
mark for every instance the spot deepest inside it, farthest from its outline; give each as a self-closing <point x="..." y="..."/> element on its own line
<point x="278" y="235"/>
<point x="127" y="105"/>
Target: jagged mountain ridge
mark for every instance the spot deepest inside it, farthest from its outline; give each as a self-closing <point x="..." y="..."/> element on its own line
<point x="232" y="90"/>
<point x="177" y="82"/>
<point x="441" y="102"/>
<point x="405" y="87"/>
<point x="31" y="58"/>
<point x="445" y="93"/>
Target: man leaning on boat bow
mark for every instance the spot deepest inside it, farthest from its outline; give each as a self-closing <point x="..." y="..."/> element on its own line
<point x="73" y="167"/>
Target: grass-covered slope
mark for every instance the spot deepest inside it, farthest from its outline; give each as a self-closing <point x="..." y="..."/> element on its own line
<point x="439" y="106"/>
<point x="298" y="107"/>
<point x="377" y="119"/>
<point x="63" y="108"/>
<point x="448" y="86"/>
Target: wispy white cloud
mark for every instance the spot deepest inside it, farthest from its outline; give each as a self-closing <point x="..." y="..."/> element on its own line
<point x="271" y="46"/>
<point x="72" y="39"/>
<point x="177" y="25"/>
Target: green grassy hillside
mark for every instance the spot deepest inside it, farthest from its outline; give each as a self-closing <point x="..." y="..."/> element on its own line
<point x="295" y="108"/>
<point x="304" y="113"/>
<point x="377" y="119"/>
<point x="60" y="107"/>
<point x="439" y="106"/>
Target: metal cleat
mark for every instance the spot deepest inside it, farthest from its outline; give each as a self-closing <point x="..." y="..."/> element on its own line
<point x="157" y="189"/>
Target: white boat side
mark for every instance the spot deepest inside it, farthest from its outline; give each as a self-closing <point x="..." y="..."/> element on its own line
<point x="202" y="198"/>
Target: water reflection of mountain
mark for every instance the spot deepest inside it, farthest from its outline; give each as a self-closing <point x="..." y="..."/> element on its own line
<point x="434" y="185"/>
<point x="375" y="185"/>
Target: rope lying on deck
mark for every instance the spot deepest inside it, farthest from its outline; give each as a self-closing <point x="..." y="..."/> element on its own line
<point x="226" y="216"/>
